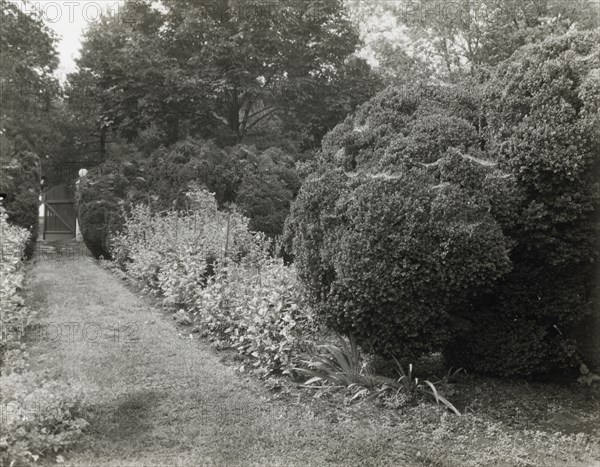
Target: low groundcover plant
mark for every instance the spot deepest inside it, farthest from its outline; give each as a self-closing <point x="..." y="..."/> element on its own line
<point x="343" y="366"/>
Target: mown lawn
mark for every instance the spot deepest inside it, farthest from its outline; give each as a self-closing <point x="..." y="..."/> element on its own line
<point x="153" y="396"/>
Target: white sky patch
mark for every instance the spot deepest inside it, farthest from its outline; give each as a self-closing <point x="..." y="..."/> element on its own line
<point x="69" y="18"/>
<point x="383" y="26"/>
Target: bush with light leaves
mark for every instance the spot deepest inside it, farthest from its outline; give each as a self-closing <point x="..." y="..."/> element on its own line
<point x="209" y="263"/>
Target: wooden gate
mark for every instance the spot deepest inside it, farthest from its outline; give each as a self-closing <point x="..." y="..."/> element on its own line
<point x="59" y="213"/>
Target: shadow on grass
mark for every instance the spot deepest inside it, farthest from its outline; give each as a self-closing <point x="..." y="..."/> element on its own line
<point x="123" y="418"/>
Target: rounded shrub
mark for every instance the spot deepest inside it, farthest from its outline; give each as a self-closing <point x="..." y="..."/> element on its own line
<point x="436" y="219"/>
<point x="394" y="236"/>
<point x="261" y="183"/>
<point x="543" y="113"/>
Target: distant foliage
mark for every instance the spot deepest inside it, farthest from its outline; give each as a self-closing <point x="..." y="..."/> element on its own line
<point x="450" y="41"/>
<point x="268" y="187"/>
<point x="168" y="172"/>
<point x="236" y="72"/>
<point x="261" y="183"/>
<point x="209" y="263"/>
<point x="29" y="59"/>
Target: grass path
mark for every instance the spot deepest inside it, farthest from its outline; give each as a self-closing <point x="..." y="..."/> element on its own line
<point x="155" y="398"/>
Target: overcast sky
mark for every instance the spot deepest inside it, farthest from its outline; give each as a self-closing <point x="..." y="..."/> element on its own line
<point x="68" y="18"/>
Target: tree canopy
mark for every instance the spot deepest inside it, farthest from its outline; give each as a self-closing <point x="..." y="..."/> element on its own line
<point x="448" y="40"/>
<point x="27" y="94"/>
<point x="227" y="70"/>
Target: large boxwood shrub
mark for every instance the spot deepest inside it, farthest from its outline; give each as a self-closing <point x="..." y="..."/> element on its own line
<point x="436" y="220"/>
<point x="394" y="236"/>
<point x="543" y="115"/>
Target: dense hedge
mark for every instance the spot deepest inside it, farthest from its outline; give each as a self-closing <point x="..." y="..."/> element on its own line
<point x="101" y="204"/>
<point x="13" y="240"/>
<point x="262" y="183"/>
<point x="436" y="220"/>
<point x="543" y="116"/>
<point x="21" y="182"/>
<point x="266" y="191"/>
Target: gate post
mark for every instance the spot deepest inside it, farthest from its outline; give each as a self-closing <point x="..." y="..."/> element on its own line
<point x="45" y="214"/>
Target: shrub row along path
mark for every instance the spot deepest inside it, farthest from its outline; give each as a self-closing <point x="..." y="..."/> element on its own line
<point x="154" y="397"/>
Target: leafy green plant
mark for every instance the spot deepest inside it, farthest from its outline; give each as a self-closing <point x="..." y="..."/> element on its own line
<point x="448" y="382"/>
<point x="256" y="307"/>
<point x="343" y="366"/>
<point x="39" y="418"/>
<point x="170" y="251"/>
<point x="13" y="240"/>
<point x="339" y="365"/>
<point x="411" y="385"/>
<point x="210" y="263"/>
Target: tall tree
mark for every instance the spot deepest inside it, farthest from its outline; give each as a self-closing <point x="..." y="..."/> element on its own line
<point x="221" y="68"/>
<point x="27" y="92"/>
<point x="27" y="87"/>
